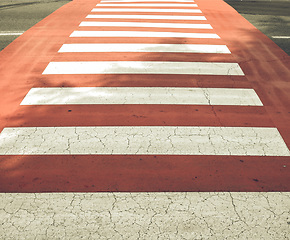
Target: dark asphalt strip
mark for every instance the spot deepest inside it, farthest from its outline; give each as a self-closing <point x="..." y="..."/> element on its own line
<point x="270" y="17"/>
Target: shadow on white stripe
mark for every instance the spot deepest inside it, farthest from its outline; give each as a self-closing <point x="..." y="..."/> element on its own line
<point x="145" y="10"/>
<point x="142" y="95"/>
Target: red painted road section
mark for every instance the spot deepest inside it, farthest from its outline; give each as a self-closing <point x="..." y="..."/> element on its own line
<point x="266" y="68"/>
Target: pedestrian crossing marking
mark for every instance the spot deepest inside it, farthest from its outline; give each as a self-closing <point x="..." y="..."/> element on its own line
<point x="161" y="10"/>
<point x="143" y="24"/>
<point x="191" y="1"/>
<point x="143" y="34"/>
<point x="131" y="47"/>
<point x="164" y="17"/>
<point x="149" y="140"/>
<point x="147" y="5"/>
<point x="142" y="95"/>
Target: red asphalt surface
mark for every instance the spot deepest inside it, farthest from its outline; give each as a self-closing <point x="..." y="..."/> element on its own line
<point x="266" y="68"/>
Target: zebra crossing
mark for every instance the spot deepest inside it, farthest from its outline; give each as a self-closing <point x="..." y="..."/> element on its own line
<point x="143" y="122"/>
<point x="141" y="34"/>
<point x="85" y="55"/>
<point x="155" y="10"/>
<point x="142" y="95"/>
<point x="138" y="24"/>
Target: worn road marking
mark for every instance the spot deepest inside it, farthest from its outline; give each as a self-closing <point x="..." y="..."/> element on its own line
<point x="105" y="1"/>
<point x="145" y="10"/>
<point x="9" y="33"/>
<point x="167" y="17"/>
<point x="131" y="47"/>
<point x="142" y="95"/>
<point x="147" y="67"/>
<point x="152" y="215"/>
<point x="143" y="24"/>
<point x="282" y="37"/>
<point x="146" y="5"/>
<point x="142" y="34"/>
<point x="167" y="140"/>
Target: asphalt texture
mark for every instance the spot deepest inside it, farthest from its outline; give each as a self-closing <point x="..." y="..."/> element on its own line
<point x="270" y="17"/>
<point x="20" y="15"/>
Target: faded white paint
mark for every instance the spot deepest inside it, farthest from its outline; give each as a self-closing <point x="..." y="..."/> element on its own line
<point x="142" y="95"/>
<point x="145" y="10"/>
<point x="146" y="5"/>
<point x="148" y="67"/>
<point x="134" y="47"/>
<point x="106" y="1"/>
<point x="167" y="17"/>
<point x="144" y="24"/>
<point x="142" y="34"/>
<point x="149" y="140"/>
<point x="144" y="215"/>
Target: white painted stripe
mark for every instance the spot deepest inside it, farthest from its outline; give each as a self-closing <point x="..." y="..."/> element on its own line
<point x="148" y="17"/>
<point x="145" y="10"/>
<point x="146" y="5"/>
<point x="148" y="140"/>
<point x="9" y="33"/>
<point x="105" y="1"/>
<point x="144" y="24"/>
<point x="282" y="37"/>
<point x="132" y="47"/>
<point x="153" y="215"/>
<point x="142" y="95"/>
<point x="148" y="67"/>
<point x="142" y="34"/>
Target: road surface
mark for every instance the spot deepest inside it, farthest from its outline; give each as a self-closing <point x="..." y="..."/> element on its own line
<point x="270" y="17"/>
<point x="17" y="16"/>
<point x="159" y="105"/>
